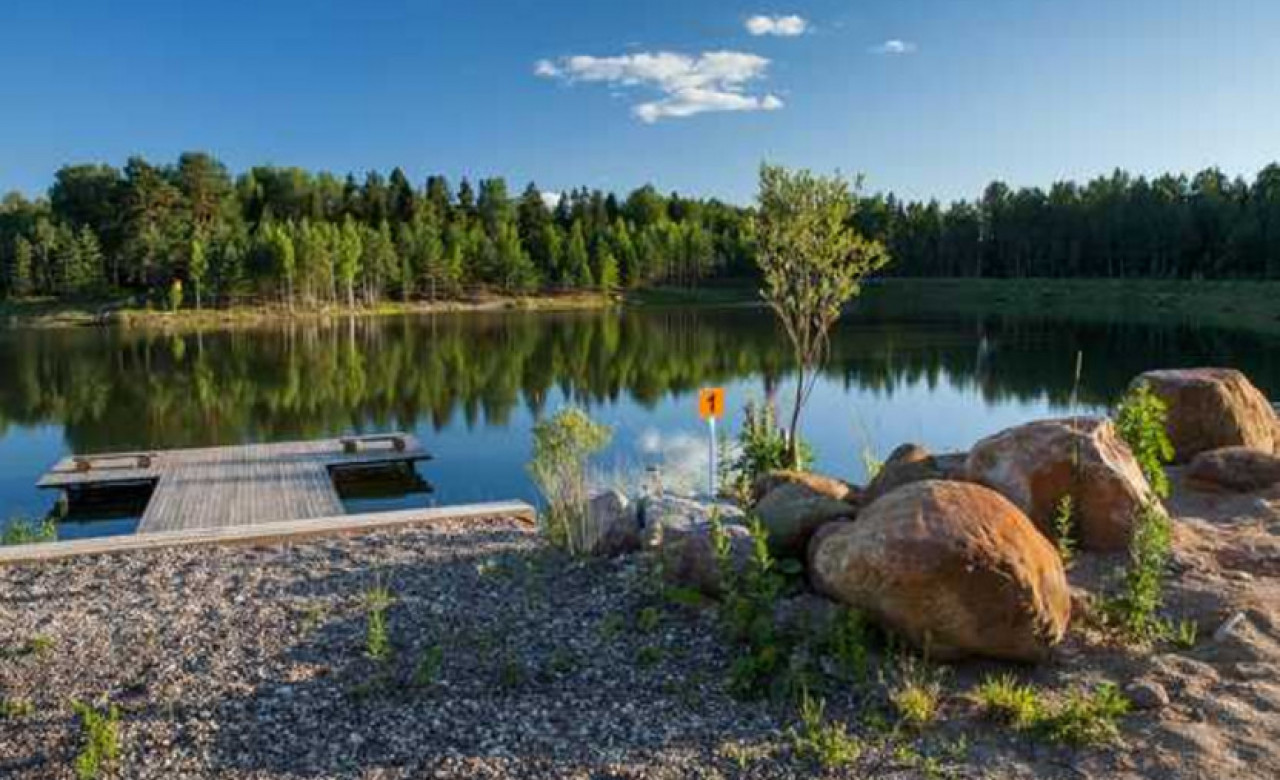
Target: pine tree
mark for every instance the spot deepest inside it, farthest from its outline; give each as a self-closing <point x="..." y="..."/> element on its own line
<point x="577" y="259"/>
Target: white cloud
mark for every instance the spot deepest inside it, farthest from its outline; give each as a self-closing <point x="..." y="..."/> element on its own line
<point x="552" y="199"/>
<point x="783" y="26"/>
<point x="894" y="46"/>
<point x="688" y="85"/>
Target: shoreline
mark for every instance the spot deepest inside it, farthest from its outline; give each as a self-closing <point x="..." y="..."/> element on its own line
<point x="1243" y="304"/>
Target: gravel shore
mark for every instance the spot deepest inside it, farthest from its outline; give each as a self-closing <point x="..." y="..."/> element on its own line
<point x="506" y="660"/>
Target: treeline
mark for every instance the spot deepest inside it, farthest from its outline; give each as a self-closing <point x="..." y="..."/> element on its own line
<point x="288" y="235"/>
<point x="285" y="234"/>
<point x="1117" y="226"/>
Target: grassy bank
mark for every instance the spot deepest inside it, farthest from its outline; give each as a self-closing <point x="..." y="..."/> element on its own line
<point x="51" y="313"/>
<point x="1240" y="304"/>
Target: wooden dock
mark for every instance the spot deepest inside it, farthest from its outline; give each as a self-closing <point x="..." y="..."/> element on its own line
<point x="224" y="487"/>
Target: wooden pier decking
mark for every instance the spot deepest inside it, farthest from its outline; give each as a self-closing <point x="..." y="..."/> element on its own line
<point x="222" y="487"/>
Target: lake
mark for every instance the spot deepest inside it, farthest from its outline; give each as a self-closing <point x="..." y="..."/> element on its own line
<point x="471" y="385"/>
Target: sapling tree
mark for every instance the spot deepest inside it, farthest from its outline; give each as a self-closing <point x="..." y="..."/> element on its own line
<point x="562" y="445"/>
<point x="812" y="260"/>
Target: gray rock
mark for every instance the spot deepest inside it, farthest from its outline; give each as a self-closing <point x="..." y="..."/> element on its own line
<point x="659" y="514"/>
<point x="1147" y="695"/>
<point x="613" y="526"/>
<point x="689" y="559"/>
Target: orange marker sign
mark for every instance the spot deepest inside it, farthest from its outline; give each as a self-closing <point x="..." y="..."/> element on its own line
<point x="711" y="403"/>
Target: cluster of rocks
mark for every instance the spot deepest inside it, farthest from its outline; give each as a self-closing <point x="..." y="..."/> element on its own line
<point x="956" y="552"/>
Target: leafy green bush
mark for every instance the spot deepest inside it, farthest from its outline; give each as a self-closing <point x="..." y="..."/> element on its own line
<point x="1064" y="528"/>
<point x="1135" y="609"/>
<point x="1140" y="420"/>
<point x="748" y="610"/>
<point x="1008" y="701"/>
<point x="101" y="735"/>
<point x="824" y="741"/>
<point x="762" y="448"/>
<point x="562" y="444"/>
<point x="1088" y="718"/>
<point x="377" y="639"/>
<point x="20" y="530"/>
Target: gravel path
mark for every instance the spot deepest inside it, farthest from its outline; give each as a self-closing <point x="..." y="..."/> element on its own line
<point x="506" y="660"/>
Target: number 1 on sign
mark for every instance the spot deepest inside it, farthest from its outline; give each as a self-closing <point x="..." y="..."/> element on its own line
<point x="711" y="407"/>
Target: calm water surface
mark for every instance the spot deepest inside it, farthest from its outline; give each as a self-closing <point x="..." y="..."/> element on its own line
<point x="472" y="385"/>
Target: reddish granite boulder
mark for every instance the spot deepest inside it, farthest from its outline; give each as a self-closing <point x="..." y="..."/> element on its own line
<point x="1233" y="470"/>
<point x="954" y="567"/>
<point x="1036" y="464"/>
<point x="1211" y="408"/>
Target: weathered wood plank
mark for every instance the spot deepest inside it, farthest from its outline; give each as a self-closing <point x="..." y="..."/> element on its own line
<point x="265" y="533"/>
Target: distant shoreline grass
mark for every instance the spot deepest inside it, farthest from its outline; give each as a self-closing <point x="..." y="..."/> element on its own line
<point x="1238" y="304"/>
<point x="50" y="313"/>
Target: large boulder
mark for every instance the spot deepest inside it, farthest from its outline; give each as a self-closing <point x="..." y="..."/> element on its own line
<point x="613" y="525"/>
<point x="830" y="486"/>
<point x="1036" y="464"/>
<point x="689" y="557"/>
<point x="913" y="463"/>
<point x="1210" y="408"/>
<point x="952" y="566"/>
<point x="663" y="513"/>
<point x="795" y="508"/>
<point x="1233" y="470"/>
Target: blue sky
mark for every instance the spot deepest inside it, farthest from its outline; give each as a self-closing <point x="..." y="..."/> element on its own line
<point x="1028" y="91"/>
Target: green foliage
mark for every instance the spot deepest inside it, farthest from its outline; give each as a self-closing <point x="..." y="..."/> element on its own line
<point x="1008" y="701"/>
<point x="812" y="259"/>
<point x="174" y="301"/>
<point x="100" y="740"/>
<point x="748" y="609"/>
<point x="377" y="640"/>
<point x="1184" y="634"/>
<point x="1135" y="609"/>
<point x="20" y="530"/>
<point x="1064" y="528"/>
<point x="762" y="448"/>
<point x="917" y="694"/>
<point x="562" y="444"/>
<point x="828" y="743"/>
<point x="847" y="643"/>
<point x="1140" y="420"/>
<point x="16" y="709"/>
<point x="427" y="671"/>
<point x="1087" y="717"/>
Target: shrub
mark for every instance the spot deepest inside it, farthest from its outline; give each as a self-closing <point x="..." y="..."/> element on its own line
<point x="1004" y="699"/>
<point x="16" y="709"/>
<point x="1135" y="609"/>
<point x="847" y="642"/>
<point x="101" y="740"/>
<point x="377" y="641"/>
<point x="748" y="608"/>
<point x="826" y="742"/>
<point x="20" y="530"/>
<point x="1064" y="528"/>
<point x="561" y="446"/>
<point x="762" y="448"/>
<point x="917" y="695"/>
<point x="1140" y="420"/>
<point x="427" y="671"/>
<point x="1088" y="718"/>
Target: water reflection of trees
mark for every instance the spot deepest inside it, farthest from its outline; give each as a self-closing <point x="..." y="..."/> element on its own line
<point x="113" y="389"/>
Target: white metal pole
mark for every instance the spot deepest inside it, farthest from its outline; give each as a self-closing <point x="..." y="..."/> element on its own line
<point x="711" y="476"/>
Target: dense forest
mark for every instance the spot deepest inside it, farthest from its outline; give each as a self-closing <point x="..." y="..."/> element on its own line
<point x="284" y="234"/>
<point x="288" y="235"/>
